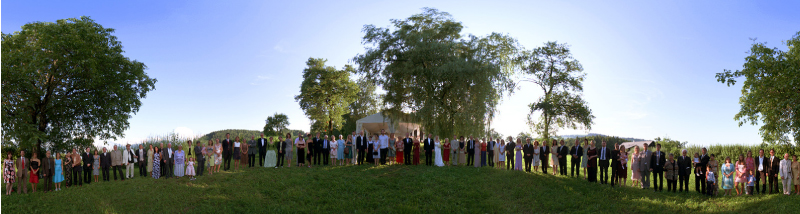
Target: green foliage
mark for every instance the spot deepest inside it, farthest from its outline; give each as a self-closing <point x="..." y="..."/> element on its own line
<point x="325" y="94"/>
<point x="447" y="82"/>
<point x="366" y="102"/>
<point x="560" y="77"/>
<point x="771" y="91"/>
<point x="276" y="124"/>
<point x="670" y="146"/>
<point x="65" y="82"/>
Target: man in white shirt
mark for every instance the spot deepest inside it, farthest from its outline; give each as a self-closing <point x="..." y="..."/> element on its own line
<point x="128" y="159"/>
<point x="761" y="172"/>
<point x="384" y="146"/>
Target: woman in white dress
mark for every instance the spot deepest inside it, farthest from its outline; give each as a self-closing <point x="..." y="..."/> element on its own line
<point x="271" y="159"/>
<point x="536" y="159"/>
<point x="333" y="147"/>
<point x="376" y="152"/>
<point x="437" y="149"/>
<point x="554" y="157"/>
<point x="501" y="158"/>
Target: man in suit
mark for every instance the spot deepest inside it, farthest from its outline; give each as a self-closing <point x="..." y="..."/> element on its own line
<point x="544" y="156"/>
<point x="280" y="147"/>
<point x="774" y="163"/>
<point x="490" y="151"/>
<point x="762" y="167"/>
<point x="312" y="149"/>
<point x="142" y="156"/>
<point x="604" y="155"/>
<point x="657" y="162"/>
<point x="105" y="163"/>
<point x="684" y="170"/>
<point x="262" y="150"/>
<point x="361" y="146"/>
<point x="615" y="164"/>
<point x="563" y="150"/>
<point x="23" y="176"/>
<point x="785" y="171"/>
<point x="471" y="151"/>
<point x="325" y="149"/>
<point x="427" y="145"/>
<point x="199" y="157"/>
<point x="88" y="159"/>
<point x="251" y="152"/>
<point x="575" y="164"/>
<point x="128" y="160"/>
<point x="407" y="145"/>
<point x="510" y="153"/>
<point x="227" y="145"/>
<point x="115" y="162"/>
<point x="645" y="167"/>
<point x="47" y="170"/>
<point x="700" y="175"/>
<point x="167" y="160"/>
<point x="527" y="154"/>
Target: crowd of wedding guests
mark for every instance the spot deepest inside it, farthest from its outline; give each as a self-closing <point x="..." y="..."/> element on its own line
<point x="745" y="175"/>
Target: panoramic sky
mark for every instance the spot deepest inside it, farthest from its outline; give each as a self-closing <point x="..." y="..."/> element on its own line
<point x="650" y="65"/>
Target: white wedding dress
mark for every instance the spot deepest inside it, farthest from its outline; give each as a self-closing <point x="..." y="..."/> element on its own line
<point x="438" y="150"/>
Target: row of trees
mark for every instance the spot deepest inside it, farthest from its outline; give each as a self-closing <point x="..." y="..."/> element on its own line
<point x="448" y="82"/>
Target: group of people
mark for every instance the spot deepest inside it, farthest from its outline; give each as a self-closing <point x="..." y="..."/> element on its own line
<point x="747" y="175"/>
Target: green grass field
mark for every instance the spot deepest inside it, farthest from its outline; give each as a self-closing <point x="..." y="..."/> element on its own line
<point x="384" y="189"/>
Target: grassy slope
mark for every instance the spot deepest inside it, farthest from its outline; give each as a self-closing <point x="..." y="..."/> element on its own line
<point x="368" y="189"/>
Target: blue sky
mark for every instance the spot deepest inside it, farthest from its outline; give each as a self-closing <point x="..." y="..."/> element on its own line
<point x="230" y="64"/>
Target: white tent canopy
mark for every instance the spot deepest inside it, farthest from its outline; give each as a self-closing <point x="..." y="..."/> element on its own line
<point x="374" y="123"/>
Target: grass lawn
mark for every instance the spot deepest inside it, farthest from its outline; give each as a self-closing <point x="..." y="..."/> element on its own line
<point x="384" y="189"/>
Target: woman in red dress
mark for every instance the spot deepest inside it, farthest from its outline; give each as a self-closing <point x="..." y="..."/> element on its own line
<point x="416" y="151"/>
<point x="446" y="152"/>
<point x="398" y="145"/>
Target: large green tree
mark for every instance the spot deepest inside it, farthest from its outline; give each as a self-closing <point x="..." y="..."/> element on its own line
<point x="366" y="102"/>
<point x="560" y="77"/>
<point x="66" y="83"/>
<point x="326" y="94"/>
<point x="771" y="91"/>
<point x="276" y="124"/>
<point x="434" y="75"/>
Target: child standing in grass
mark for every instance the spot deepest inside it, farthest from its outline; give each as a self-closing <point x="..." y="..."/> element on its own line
<point x="190" y="168"/>
<point x="711" y="181"/>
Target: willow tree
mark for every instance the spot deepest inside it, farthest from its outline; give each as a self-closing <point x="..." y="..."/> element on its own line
<point x="67" y="83"/>
<point x="434" y="75"/>
<point x="326" y="94"/>
<point x="560" y="77"/>
<point x="771" y="91"/>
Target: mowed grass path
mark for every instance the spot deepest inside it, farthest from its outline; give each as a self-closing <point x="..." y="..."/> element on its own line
<point x="384" y="189"/>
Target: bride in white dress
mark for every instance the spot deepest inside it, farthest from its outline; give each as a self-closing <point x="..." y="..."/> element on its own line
<point x="437" y="149"/>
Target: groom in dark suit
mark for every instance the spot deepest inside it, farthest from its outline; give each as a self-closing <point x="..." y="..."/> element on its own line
<point x="407" y="145"/>
<point x="428" y="146"/>
<point x="361" y="145"/>
<point x="544" y="156"/>
<point x="563" y="150"/>
<point x="575" y="164"/>
<point x="527" y="151"/>
<point x="471" y="151"/>
<point x="261" y="143"/>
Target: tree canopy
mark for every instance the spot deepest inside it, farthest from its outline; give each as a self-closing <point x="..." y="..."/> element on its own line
<point x="445" y="81"/>
<point x="560" y="77"/>
<point x="771" y="90"/>
<point x="276" y="124"/>
<point x="66" y="83"/>
<point x="326" y="94"/>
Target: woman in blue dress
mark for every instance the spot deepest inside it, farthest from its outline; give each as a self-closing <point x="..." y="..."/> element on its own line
<point x="727" y="175"/>
<point x="157" y="163"/>
<point x="340" y="151"/>
<point x="58" y="175"/>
